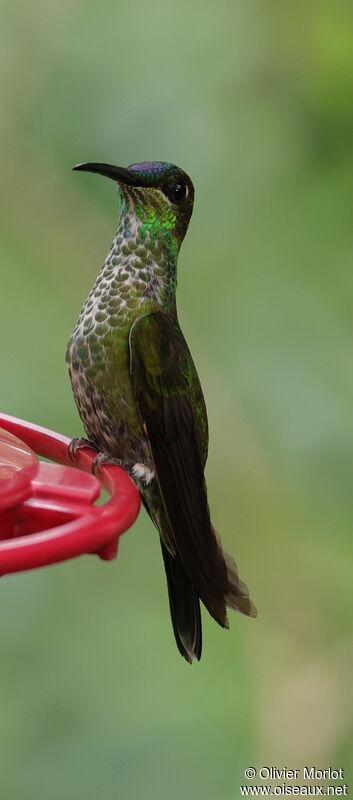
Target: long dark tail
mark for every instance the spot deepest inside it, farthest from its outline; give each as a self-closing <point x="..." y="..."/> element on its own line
<point x="212" y="577"/>
<point x="183" y="599"/>
<point x="184" y="607"/>
<point x="183" y="495"/>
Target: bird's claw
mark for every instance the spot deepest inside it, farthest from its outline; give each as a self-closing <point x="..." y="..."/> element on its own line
<point x="100" y="459"/>
<point x="77" y="444"/>
<point x="105" y="458"/>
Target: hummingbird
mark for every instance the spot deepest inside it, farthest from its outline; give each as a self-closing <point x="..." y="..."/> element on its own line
<point x="139" y="396"/>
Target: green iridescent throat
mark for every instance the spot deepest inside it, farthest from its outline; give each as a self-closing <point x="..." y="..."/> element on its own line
<point x="159" y="227"/>
<point x="149" y="222"/>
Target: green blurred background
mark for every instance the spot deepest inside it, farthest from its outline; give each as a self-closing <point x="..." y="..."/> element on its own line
<point x="255" y="101"/>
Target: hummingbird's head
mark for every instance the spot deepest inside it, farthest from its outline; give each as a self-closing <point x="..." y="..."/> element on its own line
<point x="160" y="195"/>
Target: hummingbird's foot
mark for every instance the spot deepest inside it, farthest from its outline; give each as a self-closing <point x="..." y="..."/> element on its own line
<point x="77" y="444"/>
<point x="106" y="458"/>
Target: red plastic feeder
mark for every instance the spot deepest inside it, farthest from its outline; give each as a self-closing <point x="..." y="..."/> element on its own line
<point x="47" y="511"/>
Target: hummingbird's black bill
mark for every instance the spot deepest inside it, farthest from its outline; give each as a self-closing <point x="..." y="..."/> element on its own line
<point x="120" y="174"/>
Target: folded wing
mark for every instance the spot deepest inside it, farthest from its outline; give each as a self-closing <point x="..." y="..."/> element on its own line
<point x="172" y="410"/>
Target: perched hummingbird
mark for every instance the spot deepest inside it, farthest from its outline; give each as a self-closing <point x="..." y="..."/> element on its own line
<point x="139" y="396"/>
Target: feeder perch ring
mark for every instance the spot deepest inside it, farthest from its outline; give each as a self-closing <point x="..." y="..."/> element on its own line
<point x="47" y="511"/>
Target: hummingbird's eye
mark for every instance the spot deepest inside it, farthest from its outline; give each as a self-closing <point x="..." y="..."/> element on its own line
<point x="177" y="191"/>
